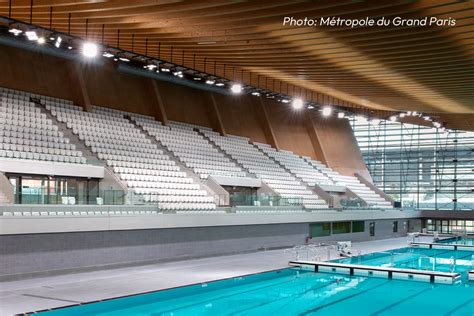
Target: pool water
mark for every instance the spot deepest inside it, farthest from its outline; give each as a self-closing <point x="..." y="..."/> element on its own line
<point x="417" y="258"/>
<point x="292" y="292"/>
<point x="458" y="241"/>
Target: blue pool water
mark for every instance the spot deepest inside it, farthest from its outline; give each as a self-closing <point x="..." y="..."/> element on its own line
<point x="418" y="258"/>
<point x="458" y="241"/>
<point x="292" y="292"/>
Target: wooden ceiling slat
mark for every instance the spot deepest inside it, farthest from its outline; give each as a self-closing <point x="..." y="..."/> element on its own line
<point x="375" y="67"/>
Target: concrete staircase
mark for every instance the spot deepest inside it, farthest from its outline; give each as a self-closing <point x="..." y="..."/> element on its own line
<point x="302" y="182"/>
<point x="249" y="174"/>
<point x="74" y="139"/>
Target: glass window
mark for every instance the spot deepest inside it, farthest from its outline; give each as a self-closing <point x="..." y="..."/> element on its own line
<point x="320" y="229"/>
<point x="358" y="227"/>
<point x="419" y="166"/>
<point x="341" y="227"/>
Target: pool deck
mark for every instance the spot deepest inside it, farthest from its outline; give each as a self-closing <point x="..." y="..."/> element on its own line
<point x="62" y="290"/>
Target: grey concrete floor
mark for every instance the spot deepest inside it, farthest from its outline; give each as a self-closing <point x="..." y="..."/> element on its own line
<point x="62" y="290"/>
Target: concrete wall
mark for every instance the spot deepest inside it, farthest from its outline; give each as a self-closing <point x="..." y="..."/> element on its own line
<point x="35" y="254"/>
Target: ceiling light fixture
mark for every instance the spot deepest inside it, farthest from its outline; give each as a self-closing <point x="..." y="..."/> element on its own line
<point x="31" y="35"/>
<point x="297" y="104"/>
<point x="15" y="32"/>
<point x="327" y="111"/>
<point x="236" y="88"/>
<point x="90" y="50"/>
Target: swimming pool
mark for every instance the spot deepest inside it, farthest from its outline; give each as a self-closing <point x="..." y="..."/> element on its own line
<point x="292" y="292"/>
<point x="441" y="260"/>
<point x="458" y="241"/>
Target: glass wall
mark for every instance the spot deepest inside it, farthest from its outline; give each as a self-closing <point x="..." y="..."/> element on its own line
<point x="421" y="167"/>
<point x="39" y="189"/>
<point x="450" y="226"/>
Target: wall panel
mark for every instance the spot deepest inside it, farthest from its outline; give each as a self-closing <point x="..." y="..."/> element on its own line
<point x="290" y="129"/>
<point x="239" y="117"/>
<point x="185" y="104"/>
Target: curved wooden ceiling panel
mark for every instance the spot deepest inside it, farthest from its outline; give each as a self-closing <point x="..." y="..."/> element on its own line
<point x="429" y="69"/>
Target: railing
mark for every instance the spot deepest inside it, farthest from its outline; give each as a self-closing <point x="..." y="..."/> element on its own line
<point x="353" y="203"/>
<point x="122" y="197"/>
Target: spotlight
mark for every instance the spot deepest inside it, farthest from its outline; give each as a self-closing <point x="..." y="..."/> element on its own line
<point x="58" y="42"/>
<point x="236" y="88"/>
<point x="341" y="115"/>
<point x="69" y="47"/>
<point x="375" y="122"/>
<point x="151" y="67"/>
<point x="327" y="111"/>
<point x="89" y="50"/>
<point x="211" y="82"/>
<point x="108" y="55"/>
<point x="51" y="38"/>
<point x="255" y="93"/>
<point x="297" y="104"/>
<point x="15" y="32"/>
<point x="41" y="40"/>
<point x="285" y="101"/>
<point x="220" y="84"/>
<point x="31" y="35"/>
<point x="393" y="118"/>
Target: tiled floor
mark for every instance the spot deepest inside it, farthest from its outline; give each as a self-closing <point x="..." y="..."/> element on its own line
<point x="42" y="293"/>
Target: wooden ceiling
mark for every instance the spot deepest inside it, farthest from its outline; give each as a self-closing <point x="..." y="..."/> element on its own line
<point x="429" y="69"/>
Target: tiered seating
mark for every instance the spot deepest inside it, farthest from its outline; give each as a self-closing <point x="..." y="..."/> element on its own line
<point x="196" y="152"/>
<point x="145" y="168"/>
<point x="296" y="165"/>
<point x="26" y="133"/>
<point x="364" y="192"/>
<point x="270" y="172"/>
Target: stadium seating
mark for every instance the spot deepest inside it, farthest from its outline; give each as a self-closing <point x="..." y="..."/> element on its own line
<point x="151" y="172"/>
<point x="296" y="165"/>
<point x="251" y="158"/>
<point x="147" y="170"/>
<point x="27" y="133"/>
<point x="365" y="193"/>
<point x="196" y="152"/>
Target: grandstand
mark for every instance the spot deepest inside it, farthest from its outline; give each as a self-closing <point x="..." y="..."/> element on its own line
<point x="133" y="144"/>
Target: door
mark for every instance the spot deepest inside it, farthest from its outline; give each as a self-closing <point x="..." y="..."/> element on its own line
<point x="372" y="229"/>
